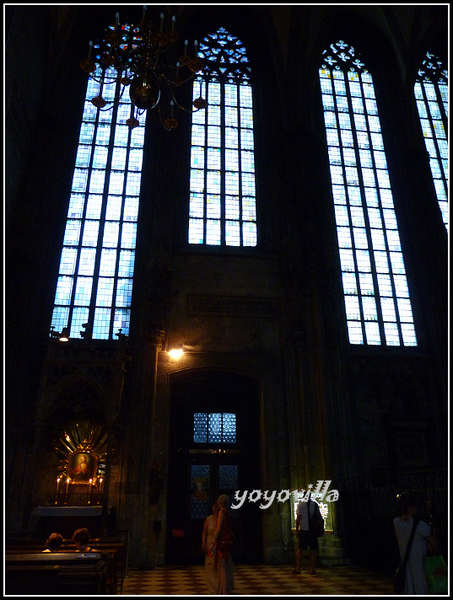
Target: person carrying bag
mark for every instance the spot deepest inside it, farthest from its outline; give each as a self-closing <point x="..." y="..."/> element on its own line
<point x="415" y="541"/>
<point x="400" y="576"/>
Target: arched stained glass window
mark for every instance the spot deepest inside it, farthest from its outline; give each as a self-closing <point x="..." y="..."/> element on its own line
<point x="94" y="286"/>
<point x="376" y="294"/>
<point x="222" y="208"/>
<point x="431" y="94"/>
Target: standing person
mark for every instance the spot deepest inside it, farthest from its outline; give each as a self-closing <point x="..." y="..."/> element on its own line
<point x="223" y="542"/>
<point x="306" y="538"/>
<point x="53" y="542"/>
<point x="81" y="539"/>
<point x="208" y="547"/>
<point x="423" y="543"/>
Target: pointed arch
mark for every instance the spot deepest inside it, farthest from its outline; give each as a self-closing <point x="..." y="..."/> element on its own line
<point x="222" y="205"/>
<point x="431" y="95"/>
<point x="376" y="293"/>
<point x="95" y="280"/>
<point x="75" y="395"/>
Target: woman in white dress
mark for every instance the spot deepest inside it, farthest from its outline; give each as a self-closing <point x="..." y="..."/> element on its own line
<point x="224" y="538"/>
<point x="207" y="545"/>
<point x="423" y="544"/>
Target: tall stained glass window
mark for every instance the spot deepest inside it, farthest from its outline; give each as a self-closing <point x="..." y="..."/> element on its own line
<point x="94" y="286"/>
<point x="376" y="294"/>
<point x="431" y="94"/>
<point x="222" y="208"/>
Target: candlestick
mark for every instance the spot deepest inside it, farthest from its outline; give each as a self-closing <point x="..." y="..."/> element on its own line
<point x="89" y="491"/>
<point x="67" y="490"/>
<point x="56" y="491"/>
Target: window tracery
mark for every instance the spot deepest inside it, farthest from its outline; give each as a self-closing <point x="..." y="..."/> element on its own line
<point x="376" y="293"/>
<point x="222" y="206"/>
<point x="431" y="95"/>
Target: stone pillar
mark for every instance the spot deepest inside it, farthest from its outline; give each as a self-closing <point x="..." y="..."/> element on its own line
<point x="137" y="514"/>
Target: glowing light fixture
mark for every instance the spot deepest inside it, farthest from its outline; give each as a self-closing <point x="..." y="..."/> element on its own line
<point x="64" y="337"/>
<point x="61" y="337"/>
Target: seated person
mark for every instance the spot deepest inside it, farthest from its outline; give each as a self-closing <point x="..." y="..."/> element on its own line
<point x="54" y="542"/>
<point x="81" y="539"/>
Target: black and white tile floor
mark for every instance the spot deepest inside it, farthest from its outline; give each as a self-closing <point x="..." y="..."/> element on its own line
<point x="260" y="580"/>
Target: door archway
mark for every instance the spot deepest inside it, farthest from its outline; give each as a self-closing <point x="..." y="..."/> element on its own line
<point x="214" y="449"/>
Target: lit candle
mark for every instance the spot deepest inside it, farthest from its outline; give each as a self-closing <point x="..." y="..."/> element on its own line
<point x="144" y="12"/>
<point x="195" y="45"/>
<point x="161" y="20"/>
<point x="117" y="19"/>
<point x="100" y="485"/>
<point x="173" y="20"/>
<point x="186" y="43"/>
<point x="89" y="491"/>
<point x="56" y="491"/>
<point x="90" y="48"/>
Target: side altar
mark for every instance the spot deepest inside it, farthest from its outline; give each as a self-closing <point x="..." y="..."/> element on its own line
<point x="78" y="497"/>
<point x="66" y="519"/>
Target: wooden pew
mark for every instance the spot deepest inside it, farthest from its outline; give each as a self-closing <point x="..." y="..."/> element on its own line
<point x="114" y="551"/>
<point x="57" y="573"/>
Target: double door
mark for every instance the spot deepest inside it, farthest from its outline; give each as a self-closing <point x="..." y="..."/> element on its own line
<point x="214" y="450"/>
<point x="210" y="476"/>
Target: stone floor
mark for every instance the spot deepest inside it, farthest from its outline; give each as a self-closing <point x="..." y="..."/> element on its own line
<point x="261" y="580"/>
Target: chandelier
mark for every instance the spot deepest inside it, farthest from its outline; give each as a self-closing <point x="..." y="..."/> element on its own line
<point x="142" y="58"/>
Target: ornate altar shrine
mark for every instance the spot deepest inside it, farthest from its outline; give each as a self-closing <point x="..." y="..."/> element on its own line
<point x="80" y="479"/>
<point x="79" y="486"/>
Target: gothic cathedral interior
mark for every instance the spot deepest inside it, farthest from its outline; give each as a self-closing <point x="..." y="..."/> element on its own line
<point x="226" y="252"/>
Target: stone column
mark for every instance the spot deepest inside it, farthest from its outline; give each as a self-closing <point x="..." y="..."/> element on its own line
<point x="139" y="446"/>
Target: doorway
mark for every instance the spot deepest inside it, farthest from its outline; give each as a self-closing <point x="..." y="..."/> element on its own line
<point x="214" y="449"/>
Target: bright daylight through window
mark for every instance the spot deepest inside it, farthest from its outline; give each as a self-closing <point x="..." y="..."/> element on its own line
<point x="431" y="93"/>
<point x="94" y="287"/>
<point x="376" y="294"/>
<point x="222" y="209"/>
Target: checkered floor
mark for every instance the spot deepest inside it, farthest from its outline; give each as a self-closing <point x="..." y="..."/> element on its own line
<point x="260" y="580"/>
